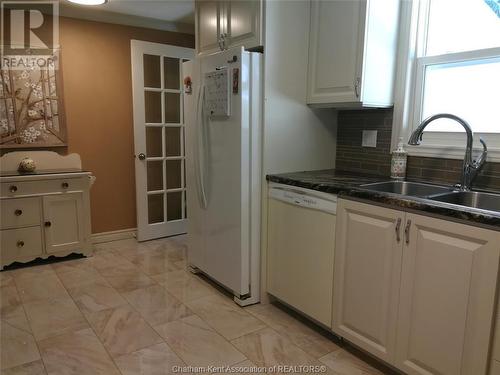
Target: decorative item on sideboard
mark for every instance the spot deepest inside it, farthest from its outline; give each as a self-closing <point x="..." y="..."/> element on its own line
<point x="27" y="165"/>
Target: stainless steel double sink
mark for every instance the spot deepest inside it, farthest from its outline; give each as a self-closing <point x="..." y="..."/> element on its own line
<point x="473" y="199"/>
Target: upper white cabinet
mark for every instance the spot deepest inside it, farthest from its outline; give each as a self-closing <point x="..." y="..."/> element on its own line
<point x="352" y="53"/>
<point x="244" y="23"/>
<point x="415" y="291"/>
<point x="208" y="26"/>
<point x="224" y="24"/>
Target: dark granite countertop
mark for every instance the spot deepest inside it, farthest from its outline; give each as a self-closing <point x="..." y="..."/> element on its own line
<point x="326" y="180"/>
<point x="347" y="185"/>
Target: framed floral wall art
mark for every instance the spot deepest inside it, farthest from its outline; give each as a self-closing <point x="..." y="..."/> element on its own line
<point x="31" y="107"/>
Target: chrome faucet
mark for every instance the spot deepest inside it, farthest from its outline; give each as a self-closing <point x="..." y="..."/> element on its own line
<point x="470" y="167"/>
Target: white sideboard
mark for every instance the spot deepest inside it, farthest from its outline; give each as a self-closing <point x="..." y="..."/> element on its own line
<point x="44" y="214"/>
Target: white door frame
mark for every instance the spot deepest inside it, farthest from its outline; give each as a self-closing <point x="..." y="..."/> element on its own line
<point x="146" y="231"/>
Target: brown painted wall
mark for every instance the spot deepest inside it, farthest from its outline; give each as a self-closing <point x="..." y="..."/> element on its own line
<point x="352" y="157"/>
<point x="96" y="73"/>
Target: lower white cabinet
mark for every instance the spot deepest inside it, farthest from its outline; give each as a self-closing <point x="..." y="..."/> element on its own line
<point x="367" y="276"/>
<point x="415" y="291"/>
<point x="44" y="215"/>
<point x="63" y="222"/>
<point x="495" y="356"/>
<point x="447" y="298"/>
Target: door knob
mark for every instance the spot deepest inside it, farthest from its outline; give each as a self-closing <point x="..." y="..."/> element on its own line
<point x="142" y="156"/>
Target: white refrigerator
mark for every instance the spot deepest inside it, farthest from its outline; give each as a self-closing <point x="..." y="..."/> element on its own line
<point x="223" y="119"/>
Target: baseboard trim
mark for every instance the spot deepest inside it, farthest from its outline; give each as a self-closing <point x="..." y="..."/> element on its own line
<point x="114" y="235"/>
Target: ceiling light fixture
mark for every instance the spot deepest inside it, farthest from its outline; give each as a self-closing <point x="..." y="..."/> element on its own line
<point x="89" y="2"/>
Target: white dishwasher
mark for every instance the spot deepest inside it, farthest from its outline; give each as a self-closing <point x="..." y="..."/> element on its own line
<point x="301" y="244"/>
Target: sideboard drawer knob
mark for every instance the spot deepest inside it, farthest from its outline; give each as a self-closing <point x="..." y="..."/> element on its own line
<point x="65" y="185"/>
<point x="13" y="188"/>
<point x="48" y="223"/>
<point x="18" y="212"/>
<point x="20" y="243"/>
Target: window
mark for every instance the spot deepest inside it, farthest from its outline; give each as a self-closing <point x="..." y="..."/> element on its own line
<point x="455" y="68"/>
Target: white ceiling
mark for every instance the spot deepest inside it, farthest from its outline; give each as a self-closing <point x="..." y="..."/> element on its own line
<point x="166" y="10"/>
<point x="171" y="15"/>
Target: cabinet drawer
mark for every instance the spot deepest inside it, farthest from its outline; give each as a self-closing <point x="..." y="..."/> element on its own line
<point x="22" y="212"/>
<point x="15" y="189"/>
<point x="20" y="243"/>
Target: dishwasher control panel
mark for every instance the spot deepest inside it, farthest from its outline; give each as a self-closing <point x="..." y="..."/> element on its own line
<point x="305" y="199"/>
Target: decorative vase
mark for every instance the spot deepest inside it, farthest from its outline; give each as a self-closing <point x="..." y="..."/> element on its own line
<point x="27" y="165"/>
<point x="399" y="161"/>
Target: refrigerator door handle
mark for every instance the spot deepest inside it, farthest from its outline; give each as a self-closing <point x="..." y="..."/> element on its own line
<point x="200" y="148"/>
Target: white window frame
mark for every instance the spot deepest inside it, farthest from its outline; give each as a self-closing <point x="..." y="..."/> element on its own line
<point x="410" y="85"/>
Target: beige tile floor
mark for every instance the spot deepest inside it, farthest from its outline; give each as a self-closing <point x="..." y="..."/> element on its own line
<point x="133" y="308"/>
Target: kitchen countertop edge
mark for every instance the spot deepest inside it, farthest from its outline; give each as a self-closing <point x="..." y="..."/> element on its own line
<point x="347" y="185"/>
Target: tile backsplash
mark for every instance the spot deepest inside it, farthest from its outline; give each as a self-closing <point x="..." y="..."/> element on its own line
<point x="449" y="171"/>
<point x="351" y="156"/>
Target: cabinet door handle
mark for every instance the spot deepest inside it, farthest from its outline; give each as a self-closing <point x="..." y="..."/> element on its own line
<point x="224" y="40"/>
<point x="65" y="185"/>
<point x="407" y="231"/>
<point x="18" y="212"/>
<point x="357" y="83"/>
<point x="20" y="243"/>
<point x="13" y="188"/>
<point x="48" y="224"/>
<point x="398" y="229"/>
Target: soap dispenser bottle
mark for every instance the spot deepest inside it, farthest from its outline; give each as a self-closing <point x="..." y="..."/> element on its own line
<point x="398" y="162"/>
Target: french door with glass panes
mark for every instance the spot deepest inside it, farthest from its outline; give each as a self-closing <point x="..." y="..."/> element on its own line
<point x="159" y="138"/>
